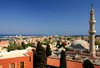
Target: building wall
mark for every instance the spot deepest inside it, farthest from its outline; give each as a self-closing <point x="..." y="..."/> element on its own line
<point x="70" y="64"/>
<point x="5" y="63"/>
<point x="77" y="51"/>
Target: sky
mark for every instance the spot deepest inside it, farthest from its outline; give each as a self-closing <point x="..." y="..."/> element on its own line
<point x="68" y="17"/>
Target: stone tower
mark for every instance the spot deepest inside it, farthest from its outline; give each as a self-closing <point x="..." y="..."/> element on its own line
<point x="92" y="32"/>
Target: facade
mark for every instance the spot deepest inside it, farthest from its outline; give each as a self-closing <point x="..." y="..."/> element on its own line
<point x="16" y="59"/>
<point x="69" y="63"/>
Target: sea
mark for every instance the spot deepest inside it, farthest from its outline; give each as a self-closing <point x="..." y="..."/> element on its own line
<point x="11" y="35"/>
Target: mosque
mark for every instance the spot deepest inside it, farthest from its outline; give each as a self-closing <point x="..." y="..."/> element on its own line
<point x="81" y="47"/>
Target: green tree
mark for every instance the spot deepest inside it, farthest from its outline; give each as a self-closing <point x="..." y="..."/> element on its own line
<point x="23" y="44"/>
<point x="64" y="38"/>
<point x="49" y="38"/>
<point x="14" y="42"/>
<point x="10" y="42"/>
<point x="58" y="43"/>
<point x="11" y="47"/>
<point x="46" y="43"/>
<point x="29" y="45"/>
<point x="62" y="45"/>
<point x="63" y="60"/>
<point x="41" y="59"/>
<point x="68" y="38"/>
<point x="48" y="51"/>
<point x="97" y="43"/>
<point x="19" y="47"/>
<point x="66" y="48"/>
<point x="14" y="47"/>
<point x="87" y="64"/>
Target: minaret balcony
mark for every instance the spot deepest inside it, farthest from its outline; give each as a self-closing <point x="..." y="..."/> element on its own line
<point x="92" y="21"/>
<point x="92" y="32"/>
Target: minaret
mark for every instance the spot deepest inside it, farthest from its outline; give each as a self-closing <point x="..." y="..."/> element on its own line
<point x="92" y="32"/>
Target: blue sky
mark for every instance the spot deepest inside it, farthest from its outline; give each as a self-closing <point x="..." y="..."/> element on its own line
<point x="68" y="17"/>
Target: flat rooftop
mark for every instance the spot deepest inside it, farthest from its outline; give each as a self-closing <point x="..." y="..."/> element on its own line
<point x="12" y="54"/>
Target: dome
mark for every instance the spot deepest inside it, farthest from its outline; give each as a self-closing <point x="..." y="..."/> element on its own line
<point x="80" y="44"/>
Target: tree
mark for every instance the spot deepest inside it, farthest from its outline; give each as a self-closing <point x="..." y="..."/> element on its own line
<point x="87" y="64"/>
<point x="41" y="59"/>
<point x="46" y="43"/>
<point x="14" y="47"/>
<point x="23" y="44"/>
<point x="29" y="45"/>
<point x="19" y="47"/>
<point x="68" y="38"/>
<point x="58" y="43"/>
<point x="62" y="45"/>
<point x="63" y="60"/>
<point x="97" y="43"/>
<point x="48" y="51"/>
<point x="14" y="42"/>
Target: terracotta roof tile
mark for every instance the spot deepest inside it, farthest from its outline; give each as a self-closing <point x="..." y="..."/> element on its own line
<point x="4" y="42"/>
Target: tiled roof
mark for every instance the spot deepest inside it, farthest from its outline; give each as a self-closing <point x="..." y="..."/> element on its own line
<point x="53" y="62"/>
<point x="70" y="64"/>
<point x="4" y="42"/>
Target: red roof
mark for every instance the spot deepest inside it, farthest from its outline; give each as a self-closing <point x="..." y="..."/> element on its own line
<point x="53" y="62"/>
<point x="4" y="42"/>
<point x="70" y="64"/>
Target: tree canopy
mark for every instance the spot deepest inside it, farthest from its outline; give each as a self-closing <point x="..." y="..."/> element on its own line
<point x="97" y="43"/>
<point x="41" y="59"/>
<point x="58" y="43"/>
<point x="48" y="50"/>
<point x="87" y="64"/>
<point x="14" y="47"/>
<point x="63" y="60"/>
<point x="23" y="44"/>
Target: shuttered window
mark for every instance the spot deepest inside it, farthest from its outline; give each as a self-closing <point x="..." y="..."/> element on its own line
<point x="12" y="65"/>
<point x="21" y="64"/>
<point x="30" y="59"/>
<point x="0" y="66"/>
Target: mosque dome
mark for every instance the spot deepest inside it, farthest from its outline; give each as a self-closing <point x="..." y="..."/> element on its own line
<point x="80" y="44"/>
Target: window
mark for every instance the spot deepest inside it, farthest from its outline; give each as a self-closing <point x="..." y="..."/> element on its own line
<point x="13" y="65"/>
<point x="21" y="64"/>
<point x="78" y="53"/>
<point x="30" y="58"/>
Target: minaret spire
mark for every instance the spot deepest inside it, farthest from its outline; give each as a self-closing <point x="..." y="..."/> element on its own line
<point x="92" y="4"/>
<point x="92" y="32"/>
